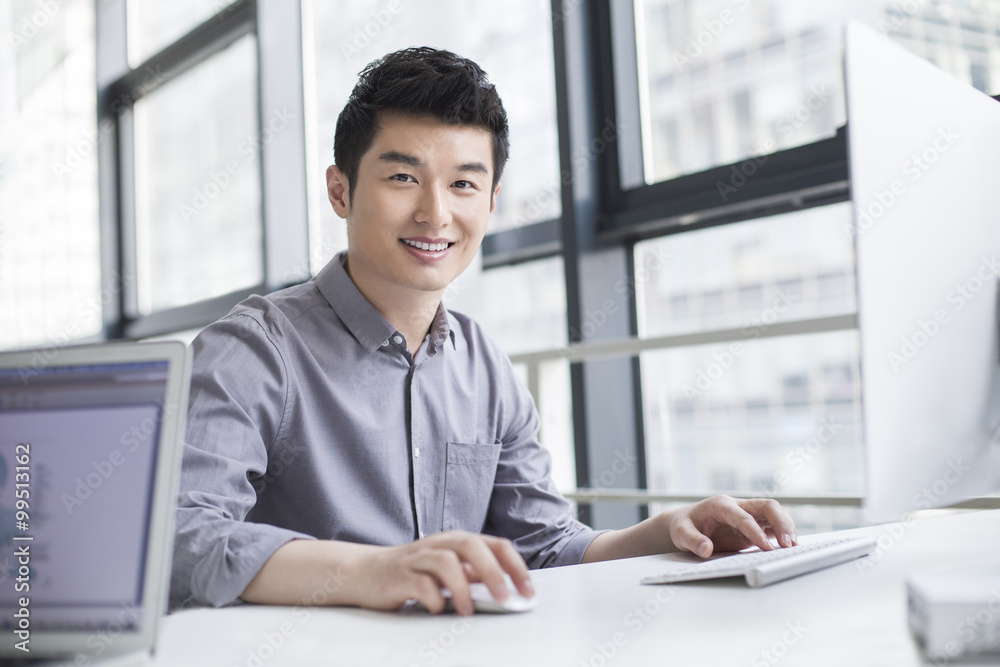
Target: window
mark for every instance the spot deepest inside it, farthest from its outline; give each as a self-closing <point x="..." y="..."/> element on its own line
<point x="50" y="274"/>
<point x="153" y="24"/>
<point x="198" y="199"/>
<point x="757" y="415"/>
<point x="724" y="80"/>
<point x="747" y="275"/>
<point x="721" y="82"/>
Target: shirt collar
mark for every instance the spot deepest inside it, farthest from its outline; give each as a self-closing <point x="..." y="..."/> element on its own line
<point x="363" y="320"/>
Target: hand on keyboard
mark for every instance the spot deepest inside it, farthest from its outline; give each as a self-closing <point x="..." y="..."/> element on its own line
<point x="722" y="523"/>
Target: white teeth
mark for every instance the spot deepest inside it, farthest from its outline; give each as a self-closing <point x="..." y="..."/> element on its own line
<point x="434" y="247"/>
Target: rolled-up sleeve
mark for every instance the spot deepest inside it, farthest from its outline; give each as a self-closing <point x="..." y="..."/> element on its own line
<point x="526" y="507"/>
<point x="239" y="395"/>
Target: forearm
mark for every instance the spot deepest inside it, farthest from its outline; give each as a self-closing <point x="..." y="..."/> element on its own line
<point x="324" y="572"/>
<point x="715" y="524"/>
<point x="310" y="572"/>
<point x="651" y="536"/>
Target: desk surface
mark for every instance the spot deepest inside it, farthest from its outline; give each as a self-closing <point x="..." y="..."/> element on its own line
<point x="598" y="614"/>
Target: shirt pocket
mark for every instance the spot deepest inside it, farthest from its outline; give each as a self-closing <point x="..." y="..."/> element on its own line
<point x="468" y="484"/>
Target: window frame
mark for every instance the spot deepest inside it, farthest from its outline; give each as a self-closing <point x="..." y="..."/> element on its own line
<point x="281" y="168"/>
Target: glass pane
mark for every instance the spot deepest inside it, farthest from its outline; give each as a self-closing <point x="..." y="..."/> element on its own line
<point x="747" y="275"/>
<point x="154" y="24"/>
<point x="729" y="79"/>
<point x="763" y="417"/>
<point x="50" y="285"/>
<point x="522" y="307"/>
<point x="198" y="202"/>
<point x="554" y="402"/>
<point x="514" y="46"/>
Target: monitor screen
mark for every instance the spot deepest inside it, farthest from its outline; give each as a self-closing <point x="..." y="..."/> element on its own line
<point x="80" y="443"/>
<point x="924" y="155"/>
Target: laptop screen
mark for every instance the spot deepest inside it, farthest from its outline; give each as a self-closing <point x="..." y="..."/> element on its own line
<point x="78" y="452"/>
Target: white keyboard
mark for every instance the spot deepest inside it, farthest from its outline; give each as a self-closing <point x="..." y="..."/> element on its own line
<point x="761" y="568"/>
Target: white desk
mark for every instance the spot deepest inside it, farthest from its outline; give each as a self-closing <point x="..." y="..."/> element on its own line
<point x="598" y="615"/>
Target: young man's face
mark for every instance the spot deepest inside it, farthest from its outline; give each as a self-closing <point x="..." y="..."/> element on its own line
<point x="419" y="208"/>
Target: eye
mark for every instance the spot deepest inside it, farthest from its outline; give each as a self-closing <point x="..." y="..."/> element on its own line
<point x="464" y="185"/>
<point x="402" y="178"/>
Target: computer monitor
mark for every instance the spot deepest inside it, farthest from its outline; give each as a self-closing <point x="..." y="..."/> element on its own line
<point x="89" y="464"/>
<point x="924" y="159"/>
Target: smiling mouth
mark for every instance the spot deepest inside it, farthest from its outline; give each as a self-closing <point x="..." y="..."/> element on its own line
<point x="428" y="247"/>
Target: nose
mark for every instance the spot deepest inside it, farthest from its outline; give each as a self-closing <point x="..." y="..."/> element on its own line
<point x="432" y="209"/>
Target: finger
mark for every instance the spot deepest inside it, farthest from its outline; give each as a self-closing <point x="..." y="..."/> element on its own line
<point x="771" y="513"/>
<point x="470" y="573"/>
<point x="513" y="564"/>
<point x="444" y="567"/>
<point x="473" y="551"/>
<point x="738" y="518"/>
<point x="479" y="552"/>
<point x="427" y="591"/>
<point x="686" y="536"/>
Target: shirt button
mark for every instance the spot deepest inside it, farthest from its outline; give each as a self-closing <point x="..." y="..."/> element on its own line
<point x="397" y="339"/>
<point x="385" y="343"/>
<point x="421" y="534"/>
<point x="416" y="452"/>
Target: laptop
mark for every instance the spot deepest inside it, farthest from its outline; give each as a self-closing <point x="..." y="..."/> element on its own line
<point x="89" y="464"/>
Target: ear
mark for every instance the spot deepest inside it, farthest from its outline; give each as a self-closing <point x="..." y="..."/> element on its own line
<point x="493" y="198"/>
<point x="338" y="190"/>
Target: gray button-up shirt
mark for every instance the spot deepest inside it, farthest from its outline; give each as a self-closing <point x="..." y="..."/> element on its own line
<point x="310" y="419"/>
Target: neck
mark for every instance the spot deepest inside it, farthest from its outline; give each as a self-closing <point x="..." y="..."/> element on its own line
<point x="410" y="311"/>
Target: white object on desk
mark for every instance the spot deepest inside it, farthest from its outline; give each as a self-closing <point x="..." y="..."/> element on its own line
<point x="956" y="613"/>
<point x="762" y="568"/>
<point x="484" y="601"/>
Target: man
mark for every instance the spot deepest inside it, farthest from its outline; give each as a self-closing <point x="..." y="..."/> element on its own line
<point x="353" y="427"/>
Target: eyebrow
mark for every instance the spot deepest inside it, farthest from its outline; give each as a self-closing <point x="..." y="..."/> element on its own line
<point x="413" y="161"/>
<point x="474" y="166"/>
<point x="402" y="158"/>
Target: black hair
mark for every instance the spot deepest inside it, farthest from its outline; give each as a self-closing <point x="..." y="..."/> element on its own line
<point x="420" y="81"/>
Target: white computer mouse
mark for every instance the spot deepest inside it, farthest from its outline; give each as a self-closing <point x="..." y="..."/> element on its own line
<point x="483" y="600"/>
